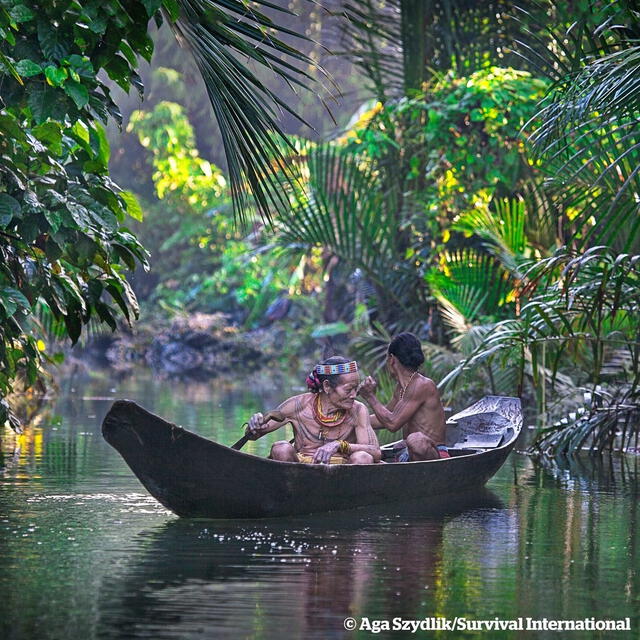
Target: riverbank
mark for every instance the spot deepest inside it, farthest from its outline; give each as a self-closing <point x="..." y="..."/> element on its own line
<point x="198" y="345"/>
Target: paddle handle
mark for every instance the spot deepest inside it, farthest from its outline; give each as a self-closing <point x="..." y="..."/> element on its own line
<point x="238" y="445"/>
<point x="274" y="414"/>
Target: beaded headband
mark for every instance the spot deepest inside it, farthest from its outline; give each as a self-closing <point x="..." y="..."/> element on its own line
<point x="334" y="369"/>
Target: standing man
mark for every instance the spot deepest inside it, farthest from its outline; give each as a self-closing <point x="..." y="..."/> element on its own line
<point x="415" y="406"/>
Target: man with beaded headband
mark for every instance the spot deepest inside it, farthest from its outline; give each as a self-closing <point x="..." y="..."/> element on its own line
<point x="330" y="425"/>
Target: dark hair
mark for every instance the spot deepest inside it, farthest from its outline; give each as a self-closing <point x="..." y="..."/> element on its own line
<point x="315" y="380"/>
<point x="407" y="348"/>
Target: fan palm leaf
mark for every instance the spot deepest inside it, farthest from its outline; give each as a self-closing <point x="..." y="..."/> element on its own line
<point x="471" y="281"/>
<point x="503" y="230"/>
<point x="339" y="203"/>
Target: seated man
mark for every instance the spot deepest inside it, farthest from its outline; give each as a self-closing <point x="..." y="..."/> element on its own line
<point x="415" y="406"/>
<point x="330" y="425"/>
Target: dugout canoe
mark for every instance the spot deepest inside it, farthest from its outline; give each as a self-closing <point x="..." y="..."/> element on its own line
<point x="196" y="477"/>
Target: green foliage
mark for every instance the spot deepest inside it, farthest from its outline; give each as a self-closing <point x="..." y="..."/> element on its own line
<point x="503" y="230"/>
<point x="581" y="320"/>
<point x="402" y="44"/>
<point x="63" y="245"/>
<point x="578" y="324"/>
<point x="173" y="77"/>
<point x="461" y="141"/>
<point x="393" y="199"/>
<point x="398" y="173"/>
<point x="223" y="36"/>
<point x="589" y="136"/>
<point x="62" y="239"/>
<point x="340" y="204"/>
<point x="180" y="174"/>
<point x="478" y="216"/>
<point x="200" y="260"/>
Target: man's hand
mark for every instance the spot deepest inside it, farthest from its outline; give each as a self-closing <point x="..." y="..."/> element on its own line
<point x="258" y="423"/>
<point x="257" y="426"/>
<point x="323" y="454"/>
<point x="367" y="387"/>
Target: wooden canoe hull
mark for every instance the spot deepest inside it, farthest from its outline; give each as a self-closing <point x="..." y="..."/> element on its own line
<point x="195" y="477"/>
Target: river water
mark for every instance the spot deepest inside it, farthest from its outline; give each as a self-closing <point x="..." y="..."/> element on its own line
<point x="86" y="553"/>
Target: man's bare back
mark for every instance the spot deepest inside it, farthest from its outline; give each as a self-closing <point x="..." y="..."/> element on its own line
<point x="415" y="407"/>
<point x="418" y="410"/>
<point x="428" y="417"/>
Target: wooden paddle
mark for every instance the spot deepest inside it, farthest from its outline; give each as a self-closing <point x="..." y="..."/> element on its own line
<point x="274" y="414"/>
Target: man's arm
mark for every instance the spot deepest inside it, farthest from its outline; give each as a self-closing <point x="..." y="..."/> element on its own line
<point x="366" y="439"/>
<point x="257" y="427"/>
<point x="404" y="410"/>
<point x="373" y="418"/>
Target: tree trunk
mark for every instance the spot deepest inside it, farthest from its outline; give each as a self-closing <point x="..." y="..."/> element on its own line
<point x="417" y="45"/>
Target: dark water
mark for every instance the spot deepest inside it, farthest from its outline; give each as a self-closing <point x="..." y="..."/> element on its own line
<point x="86" y="553"/>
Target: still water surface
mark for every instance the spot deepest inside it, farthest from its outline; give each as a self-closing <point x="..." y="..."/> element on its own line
<point x="86" y="553"/>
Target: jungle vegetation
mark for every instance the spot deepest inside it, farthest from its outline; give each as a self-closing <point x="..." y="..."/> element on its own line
<point x="64" y="243"/>
<point x="484" y="195"/>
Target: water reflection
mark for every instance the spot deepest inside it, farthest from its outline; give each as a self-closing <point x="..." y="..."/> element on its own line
<point x="248" y="579"/>
<point x="85" y="552"/>
<point x="612" y="473"/>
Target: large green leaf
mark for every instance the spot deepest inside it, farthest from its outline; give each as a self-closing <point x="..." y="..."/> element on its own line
<point x="9" y="207"/>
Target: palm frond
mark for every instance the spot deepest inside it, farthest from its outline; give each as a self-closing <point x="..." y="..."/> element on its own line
<point x="471" y="281"/>
<point x="400" y="44"/>
<point x="587" y="302"/>
<point x="596" y="284"/>
<point x="611" y="421"/>
<point x="371" y="348"/>
<point x="503" y="230"/>
<point x="340" y="203"/>
<point x="543" y="219"/>
<point x="222" y="36"/>
<point x="555" y="39"/>
<point x="588" y="137"/>
<point x="594" y="175"/>
<point x="371" y="36"/>
<point x="371" y="345"/>
<point x="608" y="87"/>
<point x="439" y="360"/>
